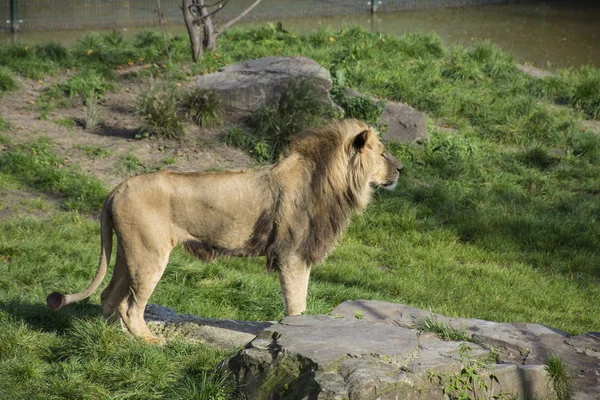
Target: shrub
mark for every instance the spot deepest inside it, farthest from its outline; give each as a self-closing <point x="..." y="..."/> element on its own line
<point x="203" y="107"/>
<point x="158" y="107"/>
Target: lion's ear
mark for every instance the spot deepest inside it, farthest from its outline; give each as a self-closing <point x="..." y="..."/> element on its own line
<point x="360" y="140"/>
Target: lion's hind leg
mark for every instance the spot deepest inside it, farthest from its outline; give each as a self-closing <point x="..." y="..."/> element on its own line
<point x="144" y="270"/>
<point x="116" y="292"/>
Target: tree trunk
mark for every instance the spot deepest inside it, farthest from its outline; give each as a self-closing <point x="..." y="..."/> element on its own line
<point x="209" y="40"/>
<point x="193" y="29"/>
<point x="207" y="37"/>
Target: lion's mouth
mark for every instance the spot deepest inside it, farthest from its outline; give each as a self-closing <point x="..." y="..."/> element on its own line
<point x="391" y="185"/>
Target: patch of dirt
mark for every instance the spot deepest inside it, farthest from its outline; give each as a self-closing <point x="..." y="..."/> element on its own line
<point x="201" y="149"/>
<point x="17" y="202"/>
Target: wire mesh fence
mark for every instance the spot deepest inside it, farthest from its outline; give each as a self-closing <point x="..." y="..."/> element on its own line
<point x="78" y="14"/>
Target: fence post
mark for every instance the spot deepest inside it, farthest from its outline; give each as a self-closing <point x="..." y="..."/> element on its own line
<point x="373" y="6"/>
<point x="14" y="16"/>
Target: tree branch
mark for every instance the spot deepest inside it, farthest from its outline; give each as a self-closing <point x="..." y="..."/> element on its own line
<point x="236" y="19"/>
<point x="199" y="7"/>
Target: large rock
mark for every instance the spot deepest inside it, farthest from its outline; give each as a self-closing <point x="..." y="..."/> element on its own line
<point x="373" y="350"/>
<point x="247" y="86"/>
<point x="342" y="357"/>
<point x="404" y="124"/>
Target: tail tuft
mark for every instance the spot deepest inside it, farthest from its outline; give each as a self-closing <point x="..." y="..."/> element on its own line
<point x="55" y="300"/>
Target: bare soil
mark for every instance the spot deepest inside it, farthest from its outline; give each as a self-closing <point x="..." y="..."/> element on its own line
<point x="200" y="150"/>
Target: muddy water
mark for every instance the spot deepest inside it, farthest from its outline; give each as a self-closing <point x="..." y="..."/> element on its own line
<point x="548" y="34"/>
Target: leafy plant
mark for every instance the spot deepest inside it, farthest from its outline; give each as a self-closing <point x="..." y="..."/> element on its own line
<point x="472" y="380"/>
<point x="130" y="163"/>
<point x="359" y="107"/>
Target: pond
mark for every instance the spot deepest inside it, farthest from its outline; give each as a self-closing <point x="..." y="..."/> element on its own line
<point x="548" y="34"/>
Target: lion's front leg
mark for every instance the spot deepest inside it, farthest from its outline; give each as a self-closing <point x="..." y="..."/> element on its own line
<point x="293" y="277"/>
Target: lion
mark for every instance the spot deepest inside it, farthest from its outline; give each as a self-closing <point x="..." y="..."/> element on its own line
<point x="292" y="212"/>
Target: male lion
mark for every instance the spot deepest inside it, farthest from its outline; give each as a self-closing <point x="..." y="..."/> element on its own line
<point x="291" y="212"/>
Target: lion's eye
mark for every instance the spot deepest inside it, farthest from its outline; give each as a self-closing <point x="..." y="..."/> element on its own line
<point x="384" y="156"/>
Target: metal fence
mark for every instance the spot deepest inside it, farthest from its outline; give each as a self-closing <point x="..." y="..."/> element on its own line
<point x="30" y="15"/>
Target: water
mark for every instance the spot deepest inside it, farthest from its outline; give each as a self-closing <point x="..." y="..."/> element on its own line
<point x="548" y="34"/>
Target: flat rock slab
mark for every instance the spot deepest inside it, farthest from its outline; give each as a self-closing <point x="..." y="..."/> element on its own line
<point x="219" y="333"/>
<point x="247" y="86"/>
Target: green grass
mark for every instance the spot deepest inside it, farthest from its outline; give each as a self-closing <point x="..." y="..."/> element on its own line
<point x="158" y="108"/>
<point x="5" y="125"/>
<point x="94" y="152"/>
<point x="7" y="81"/>
<point x="87" y="84"/>
<point x="497" y="221"/>
<point x="36" y="166"/>
<point x="444" y="331"/>
<point x="68" y="123"/>
<point x="204" y="108"/>
<point x="560" y="377"/>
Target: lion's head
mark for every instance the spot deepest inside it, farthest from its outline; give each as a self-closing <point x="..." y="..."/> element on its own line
<point x="345" y="160"/>
<point x="349" y="159"/>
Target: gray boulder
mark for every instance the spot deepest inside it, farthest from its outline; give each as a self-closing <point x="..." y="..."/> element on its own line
<point x="247" y="86"/>
<point x="404" y="124"/>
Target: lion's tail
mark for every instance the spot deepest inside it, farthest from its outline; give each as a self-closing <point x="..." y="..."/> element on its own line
<point x="56" y="300"/>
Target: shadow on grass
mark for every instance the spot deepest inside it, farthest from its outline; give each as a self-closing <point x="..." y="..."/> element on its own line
<point x="40" y="317"/>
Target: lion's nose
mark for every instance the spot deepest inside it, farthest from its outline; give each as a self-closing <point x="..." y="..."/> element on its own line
<point x="400" y="167"/>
